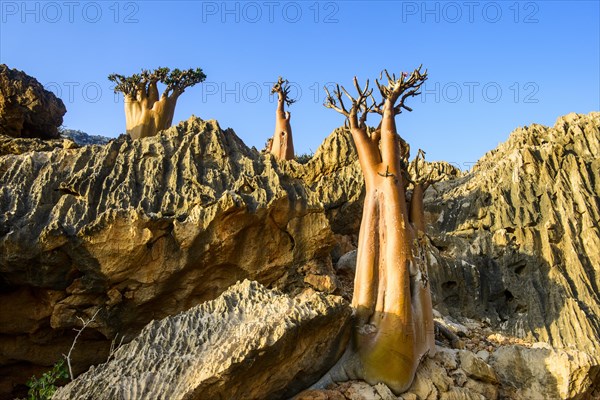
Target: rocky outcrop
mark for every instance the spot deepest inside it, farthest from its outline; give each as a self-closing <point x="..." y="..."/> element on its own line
<point x="143" y="229"/>
<point x="541" y="372"/>
<point x="249" y="343"/>
<point x="449" y="375"/>
<point x="17" y="146"/>
<point x="27" y="110"/>
<point x="148" y="228"/>
<point x="82" y="138"/>
<point x="518" y="237"/>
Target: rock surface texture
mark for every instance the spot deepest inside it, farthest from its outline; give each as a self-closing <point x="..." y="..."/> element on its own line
<point x="517" y="247"/>
<point x="518" y="238"/>
<point x="143" y="229"/>
<point x="28" y="110"/>
<point x="82" y="138"/>
<point x="249" y="343"/>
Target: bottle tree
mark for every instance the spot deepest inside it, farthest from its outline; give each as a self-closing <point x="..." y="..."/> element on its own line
<point x="393" y="327"/>
<point x="147" y="113"/>
<point x="282" y="145"/>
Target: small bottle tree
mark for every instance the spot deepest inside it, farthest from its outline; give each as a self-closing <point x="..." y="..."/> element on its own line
<point x="282" y="145"/>
<point x="147" y="113"/>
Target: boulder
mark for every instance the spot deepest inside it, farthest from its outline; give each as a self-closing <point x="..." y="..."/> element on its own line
<point x="542" y="372"/>
<point x="249" y="343"/>
<point x="27" y="110"/>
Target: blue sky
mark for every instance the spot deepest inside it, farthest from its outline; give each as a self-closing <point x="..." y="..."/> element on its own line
<point x="493" y="65"/>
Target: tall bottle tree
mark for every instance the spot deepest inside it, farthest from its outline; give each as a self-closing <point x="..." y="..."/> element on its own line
<point x="282" y="145"/>
<point x="147" y="113"/>
<point x="393" y="326"/>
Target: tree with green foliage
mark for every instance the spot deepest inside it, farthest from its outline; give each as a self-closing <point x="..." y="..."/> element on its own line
<point x="147" y="113"/>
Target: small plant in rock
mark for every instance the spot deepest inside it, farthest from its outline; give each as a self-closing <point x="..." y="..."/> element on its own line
<point x="44" y="387"/>
<point x="304" y="158"/>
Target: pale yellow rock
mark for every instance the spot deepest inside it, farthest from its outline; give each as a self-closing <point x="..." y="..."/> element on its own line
<point x="476" y="368"/>
<point x="148" y="228"/>
<point x="542" y="373"/>
<point x="249" y="343"/>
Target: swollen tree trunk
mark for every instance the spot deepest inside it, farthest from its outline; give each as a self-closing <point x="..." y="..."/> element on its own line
<point x="391" y="290"/>
<point x="282" y="145"/>
<point x="147" y="117"/>
<point x="417" y="212"/>
<point x="394" y="326"/>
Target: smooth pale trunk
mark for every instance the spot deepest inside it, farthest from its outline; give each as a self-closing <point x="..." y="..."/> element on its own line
<point x="141" y="121"/>
<point x="385" y="336"/>
<point x="282" y="146"/>
<point x="394" y="327"/>
<point x="421" y="291"/>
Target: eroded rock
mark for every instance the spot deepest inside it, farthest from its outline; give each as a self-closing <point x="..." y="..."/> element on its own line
<point x="249" y="343"/>
<point x="517" y="238"/>
<point x="542" y="372"/>
<point x="143" y="229"/>
<point x="27" y="110"/>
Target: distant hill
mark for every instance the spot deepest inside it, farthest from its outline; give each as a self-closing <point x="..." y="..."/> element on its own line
<point x="82" y="138"/>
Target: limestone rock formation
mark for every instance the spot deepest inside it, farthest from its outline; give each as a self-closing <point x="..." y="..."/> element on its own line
<point x="82" y="138"/>
<point x="27" y="110"/>
<point x="143" y="229"/>
<point x="449" y="375"/>
<point x="542" y="372"/>
<point x="249" y="343"/>
<point x="517" y="238"/>
<point x="10" y="145"/>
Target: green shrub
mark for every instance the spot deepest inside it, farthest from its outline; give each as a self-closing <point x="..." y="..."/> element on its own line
<point x="304" y="158"/>
<point x="43" y="388"/>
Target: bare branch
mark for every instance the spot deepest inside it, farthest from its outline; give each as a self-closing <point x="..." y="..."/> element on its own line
<point x="332" y="103"/>
<point x="359" y="104"/>
<point x="401" y="88"/>
<point x="282" y="88"/>
<point x="79" y="331"/>
<point x="114" y="346"/>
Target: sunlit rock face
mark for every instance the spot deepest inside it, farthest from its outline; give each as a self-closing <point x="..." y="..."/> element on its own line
<point x="249" y="343"/>
<point x="142" y="229"/>
<point x="27" y="110"/>
<point x="517" y="246"/>
<point x="519" y="237"/>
